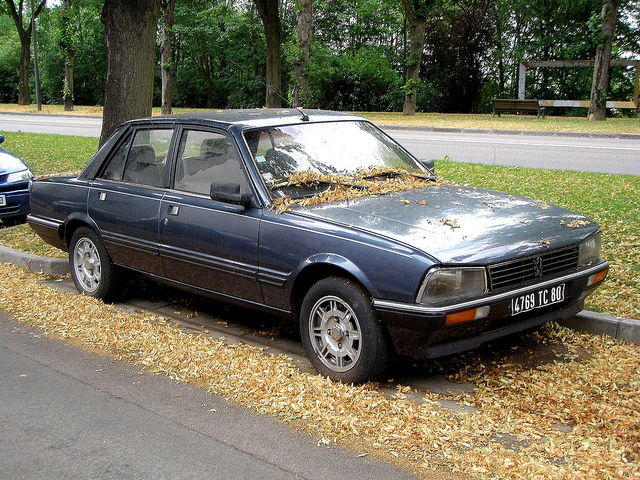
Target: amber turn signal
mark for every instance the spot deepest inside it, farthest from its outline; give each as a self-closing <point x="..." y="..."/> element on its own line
<point x="467" y="315"/>
<point x="597" y="277"/>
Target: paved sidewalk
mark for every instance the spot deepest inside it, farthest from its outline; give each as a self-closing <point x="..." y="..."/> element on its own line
<point x="586" y="321"/>
<point x="69" y="413"/>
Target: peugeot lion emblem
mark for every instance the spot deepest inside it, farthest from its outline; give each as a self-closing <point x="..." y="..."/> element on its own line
<point x="537" y="266"/>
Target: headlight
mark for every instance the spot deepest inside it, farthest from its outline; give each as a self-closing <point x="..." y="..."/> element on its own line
<point x="18" y="177"/>
<point x="590" y="249"/>
<point x="452" y="284"/>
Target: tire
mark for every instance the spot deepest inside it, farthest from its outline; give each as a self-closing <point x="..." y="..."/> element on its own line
<point x="91" y="266"/>
<point x="341" y="332"/>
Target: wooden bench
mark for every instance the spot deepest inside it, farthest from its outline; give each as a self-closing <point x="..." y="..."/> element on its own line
<point x="516" y="105"/>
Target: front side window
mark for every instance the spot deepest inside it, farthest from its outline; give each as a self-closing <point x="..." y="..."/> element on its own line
<point x="205" y="158"/>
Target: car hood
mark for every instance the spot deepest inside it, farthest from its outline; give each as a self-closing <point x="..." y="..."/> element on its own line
<point x="9" y="163"/>
<point x="457" y="224"/>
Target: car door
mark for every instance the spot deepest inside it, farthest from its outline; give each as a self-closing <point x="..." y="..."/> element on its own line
<point x="124" y="199"/>
<point x="205" y="243"/>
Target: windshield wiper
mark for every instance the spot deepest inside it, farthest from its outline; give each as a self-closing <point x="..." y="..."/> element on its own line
<point x="315" y="184"/>
<point x="286" y="183"/>
<point x="393" y="174"/>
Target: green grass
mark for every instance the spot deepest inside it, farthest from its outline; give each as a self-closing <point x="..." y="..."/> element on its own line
<point x="47" y="154"/>
<point x="613" y="201"/>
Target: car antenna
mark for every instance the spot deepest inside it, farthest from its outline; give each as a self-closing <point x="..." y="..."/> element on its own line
<point x="303" y="116"/>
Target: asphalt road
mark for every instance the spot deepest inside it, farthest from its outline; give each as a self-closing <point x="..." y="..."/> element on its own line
<point x="604" y="155"/>
<point x="68" y="413"/>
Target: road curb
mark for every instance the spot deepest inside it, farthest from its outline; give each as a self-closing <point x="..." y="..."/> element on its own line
<point x="546" y="133"/>
<point x="595" y="323"/>
<point x="625" y="329"/>
<point x="35" y="263"/>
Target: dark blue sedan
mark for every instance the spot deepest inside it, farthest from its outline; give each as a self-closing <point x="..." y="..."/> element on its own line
<point x="321" y="217"/>
<point x="15" y="178"/>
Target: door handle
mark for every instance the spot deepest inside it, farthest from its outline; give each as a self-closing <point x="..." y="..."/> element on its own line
<point x="102" y="196"/>
<point x="173" y="210"/>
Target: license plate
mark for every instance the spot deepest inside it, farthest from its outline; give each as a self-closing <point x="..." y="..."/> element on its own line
<point x="539" y="299"/>
<point x="3" y="200"/>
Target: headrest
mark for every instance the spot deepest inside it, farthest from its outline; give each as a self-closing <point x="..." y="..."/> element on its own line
<point x="143" y="154"/>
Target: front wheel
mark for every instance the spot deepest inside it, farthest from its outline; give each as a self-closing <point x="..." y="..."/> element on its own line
<point x="92" y="269"/>
<point x="341" y="332"/>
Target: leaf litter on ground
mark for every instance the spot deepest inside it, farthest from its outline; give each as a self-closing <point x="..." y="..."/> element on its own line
<point x="593" y="394"/>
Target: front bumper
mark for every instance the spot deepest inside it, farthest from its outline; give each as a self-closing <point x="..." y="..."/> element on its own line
<point x="420" y="331"/>
<point x="16" y="203"/>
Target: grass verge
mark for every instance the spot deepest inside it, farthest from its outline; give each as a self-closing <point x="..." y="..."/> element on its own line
<point x="507" y="122"/>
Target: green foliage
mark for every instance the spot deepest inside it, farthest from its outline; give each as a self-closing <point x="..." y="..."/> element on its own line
<point x="360" y="52"/>
<point x="211" y="70"/>
<point x="9" y="60"/>
<point x="81" y="32"/>
<point x="362" y="82"/>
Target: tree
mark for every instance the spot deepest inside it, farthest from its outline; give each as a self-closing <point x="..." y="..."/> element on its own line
<point x="301" y="62"/>
<point x="416" y="13"/>
<point x="166" y="54"/>
<point x="130" y="40"/>
<point x="270" y="15"/>
<point x="600" y="85"/>
<point x="67" y="50"/>
<point x="459" y="42"/>
<point x="24" y="32"/>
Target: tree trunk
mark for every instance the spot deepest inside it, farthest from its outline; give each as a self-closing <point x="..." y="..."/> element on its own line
<point x="305" y="30"/>
<point x="269" y="13"/>
<point x="130" y="39"/>
<point x="416" y="19"/>
<point x="600" y="85"/>
<point x="25" y="61"/>
<point x="67" y="49"/>
<point x="417" y="35"/>
<point x="25" y="46"/>
<point x="165" y="54"/>
<point x="68" y="83"/>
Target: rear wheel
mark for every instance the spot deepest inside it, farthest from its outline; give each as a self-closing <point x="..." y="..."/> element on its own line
<point x="341" y="332"/>
<point x="92" y="269"/>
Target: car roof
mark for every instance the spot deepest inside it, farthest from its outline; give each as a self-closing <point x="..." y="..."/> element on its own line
<point x="250" y="118"/>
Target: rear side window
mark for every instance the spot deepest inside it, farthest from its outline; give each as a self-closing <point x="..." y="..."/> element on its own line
<point x="142" y="159"/>
<point x="115" y="165"/>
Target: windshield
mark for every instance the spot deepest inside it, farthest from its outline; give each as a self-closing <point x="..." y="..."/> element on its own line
<point x="304" y="160"/>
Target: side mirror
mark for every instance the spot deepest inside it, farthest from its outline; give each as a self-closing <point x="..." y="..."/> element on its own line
<point x="429" y="165"/>
<point x="229" y="193"/>
<point x="1" y="138"/>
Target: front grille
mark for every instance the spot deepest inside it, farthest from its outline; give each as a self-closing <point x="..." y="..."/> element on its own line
<point x="15" y="187"/>
<point x="516" y="272"/>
